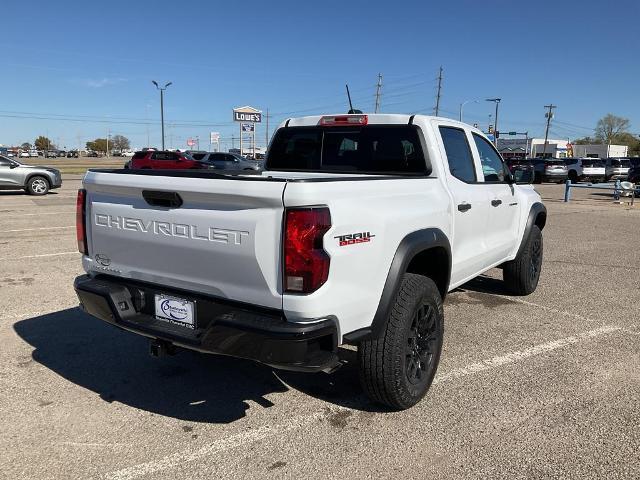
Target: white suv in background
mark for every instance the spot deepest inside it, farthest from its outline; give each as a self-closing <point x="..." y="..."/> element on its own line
<point x="585" y="169"/>
<point x="617" y="168"/>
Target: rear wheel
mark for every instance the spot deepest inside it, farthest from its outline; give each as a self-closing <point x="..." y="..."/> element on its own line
<point x="397" y="367"/>
<point x="37" y="186"/>
<point x="521" y="274"/>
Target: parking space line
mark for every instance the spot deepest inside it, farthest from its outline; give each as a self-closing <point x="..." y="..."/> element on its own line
<point x="520" y="355"/>
<point x="247" y="437"/>
<point x="37" y="229"/>
<point x="234" y="441"/>
<point x="40" y="255"/>
<point x="37" y="214"/>
<point x="542" y="307"/>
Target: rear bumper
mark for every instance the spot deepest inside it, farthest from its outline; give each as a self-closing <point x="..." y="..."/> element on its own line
<point x="591" y="177"/>
<point x="222" y="328"/>
<point x="619" y="175"/>
<point x="554" y="177"/>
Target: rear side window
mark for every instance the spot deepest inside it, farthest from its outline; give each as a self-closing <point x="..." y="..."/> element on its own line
<point x="164" y="156"/>
<point x="375" y="149"/>
<point x="592" y="163"/>
<point x="198" y="156"/>
<point x="458" y="154"/>
<point x="138" y="155"/>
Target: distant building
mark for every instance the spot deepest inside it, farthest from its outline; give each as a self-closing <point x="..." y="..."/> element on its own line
<point x="534" y="148"/>
<point x="599" y="150"/>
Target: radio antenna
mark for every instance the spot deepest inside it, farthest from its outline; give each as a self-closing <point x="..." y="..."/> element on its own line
<point x="351" y="109"/>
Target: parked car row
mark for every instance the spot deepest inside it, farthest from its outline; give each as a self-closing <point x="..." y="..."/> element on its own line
<point x="169" y="160"/>
<point x="577" y="169"/>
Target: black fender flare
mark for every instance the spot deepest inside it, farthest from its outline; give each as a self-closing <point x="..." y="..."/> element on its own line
<point x="537" y="210"/>
<point x="409" y="247"/>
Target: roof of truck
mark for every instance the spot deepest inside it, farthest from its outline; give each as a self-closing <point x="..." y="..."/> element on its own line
<point x="372" y="119"/>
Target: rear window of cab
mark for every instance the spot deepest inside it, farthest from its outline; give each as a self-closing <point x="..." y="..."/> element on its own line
<point x="374" y="149"/>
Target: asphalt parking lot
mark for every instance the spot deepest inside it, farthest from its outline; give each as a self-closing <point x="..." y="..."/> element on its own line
<point x="545" y="386"/>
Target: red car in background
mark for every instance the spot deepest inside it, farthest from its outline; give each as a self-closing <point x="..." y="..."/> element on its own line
<point x="165" y="160"/>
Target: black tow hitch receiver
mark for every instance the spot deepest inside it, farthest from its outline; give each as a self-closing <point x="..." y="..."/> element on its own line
<point x="161" y="348"/>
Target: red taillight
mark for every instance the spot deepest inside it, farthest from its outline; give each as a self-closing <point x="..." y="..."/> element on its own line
<point x="306" y="264"/>
<point x="341" y="120"/>
<point x="81" y="231"/>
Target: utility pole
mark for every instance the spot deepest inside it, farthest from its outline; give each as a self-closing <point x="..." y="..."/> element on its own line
<point x="495" y="120"/>
<point x="378" y="88"/>
<point x="549" y="115"/>
<point x="266" y="135"/>
<point x="162" y="89"/>
<point x="147" y="122"/>
<point x="439" y="90"/>
<point x="108" y="137"/>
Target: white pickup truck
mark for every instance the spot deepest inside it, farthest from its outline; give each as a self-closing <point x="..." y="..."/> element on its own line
<point x="353" y="234"/>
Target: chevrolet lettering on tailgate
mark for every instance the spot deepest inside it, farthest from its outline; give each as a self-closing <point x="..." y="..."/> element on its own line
<point x="180" y="230"/>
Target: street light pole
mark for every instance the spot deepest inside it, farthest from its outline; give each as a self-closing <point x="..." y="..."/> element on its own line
<point x="162" y="89"/>
<point x="495" y="120"/>
<point x="462" y="107"/>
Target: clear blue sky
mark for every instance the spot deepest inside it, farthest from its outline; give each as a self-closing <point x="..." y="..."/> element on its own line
<point x="93" y="62"/>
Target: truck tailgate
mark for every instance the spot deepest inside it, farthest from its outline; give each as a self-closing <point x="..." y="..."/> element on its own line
<point x="223" y="240"/>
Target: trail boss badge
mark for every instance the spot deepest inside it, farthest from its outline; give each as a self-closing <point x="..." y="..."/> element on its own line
<point x="353" y="238"/>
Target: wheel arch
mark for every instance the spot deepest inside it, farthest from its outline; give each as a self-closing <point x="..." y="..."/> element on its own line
<point x="425" y="252"/>
<point x="36" y="174"/>
<point x="537" y="216"/>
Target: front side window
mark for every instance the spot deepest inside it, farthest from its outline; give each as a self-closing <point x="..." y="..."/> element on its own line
<point x="492" y="165"/>
<point x="458" y="153"/>
<point x="5" y="162"/>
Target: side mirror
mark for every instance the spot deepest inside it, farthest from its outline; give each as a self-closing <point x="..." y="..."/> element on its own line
<point x="523" y="176"/>
<point x="13" y="165"/>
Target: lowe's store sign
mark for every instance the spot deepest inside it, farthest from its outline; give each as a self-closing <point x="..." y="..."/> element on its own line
<point x="247" y="114"/>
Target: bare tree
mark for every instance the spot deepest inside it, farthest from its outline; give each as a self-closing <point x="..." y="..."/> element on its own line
<point x="610" y="128"/>
<point x="119" y="142"/>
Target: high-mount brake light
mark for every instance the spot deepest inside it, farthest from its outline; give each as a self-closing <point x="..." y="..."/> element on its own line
<point x="306" y="264"/>
<point x="81" y="230"/>
<point x="342" y="120"/>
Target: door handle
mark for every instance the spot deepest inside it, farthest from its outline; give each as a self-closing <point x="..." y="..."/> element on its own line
<point x="162" y="199"/>
<point x="495" y="203"/>
<point x="463" y="207"/>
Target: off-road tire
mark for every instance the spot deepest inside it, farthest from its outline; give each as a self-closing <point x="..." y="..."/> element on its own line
<point x="389" y="372"/>
<point x="37" y="186"/>
<point x="521" y="275"/>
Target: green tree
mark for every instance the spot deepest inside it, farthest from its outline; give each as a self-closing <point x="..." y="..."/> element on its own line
<point x="98" y="145"/>
<point x="26" y="146"/>
<point x="610" y="128"/>
<point x="119" y="142"/>
<point x="43" y="143"/>
<point x="584" y="141"/>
